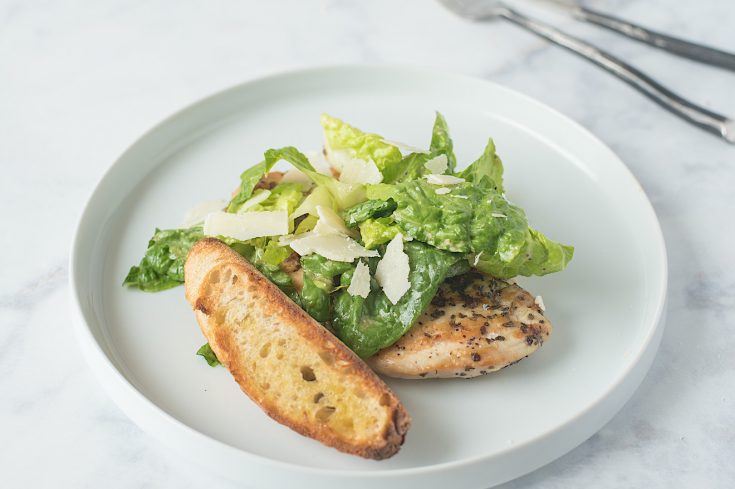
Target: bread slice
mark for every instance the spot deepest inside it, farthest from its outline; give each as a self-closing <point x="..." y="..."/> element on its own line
<point x="290" y="365"/>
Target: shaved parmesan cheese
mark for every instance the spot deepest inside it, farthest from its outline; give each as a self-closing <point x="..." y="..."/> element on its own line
<point x="287" y="239"/>
<point x="329" y="222"/>
<point x="442" y="191"/>
<point x="336" y="158"/>
<point x="540" y="302"/>
<point x="497" y="214"/>
<point x="360" y="284"/>
<point x="332" y="246"/>
<point x="443" y="179"/>
<point x="477" y="259"/>
<point x="319" y="162"/>
<point x="294" y="175"/>
<point x="437" y="165"/>
<point x="404" y="148"/>
<point x="247" y="225"/>
<point x="359" y="171"/>
<point x="392" y="271"/>
<point x="196" y="214"/>
<point x="254" y="200"/>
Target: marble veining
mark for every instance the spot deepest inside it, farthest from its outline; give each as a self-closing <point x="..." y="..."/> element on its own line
<point x="80" y="80"/>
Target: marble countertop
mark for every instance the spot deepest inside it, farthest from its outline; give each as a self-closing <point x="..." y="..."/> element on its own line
<point x="80" y="80"/>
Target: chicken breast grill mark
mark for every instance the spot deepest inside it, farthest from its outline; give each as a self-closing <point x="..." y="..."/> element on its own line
<point x="475" y="325"/>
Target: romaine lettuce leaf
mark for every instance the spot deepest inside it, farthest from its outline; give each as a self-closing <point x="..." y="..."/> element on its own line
<point x="368" y="325"/>
<point x="487" y="170"/>
<point x="365" y="210"/>
<point x="441" y="143"/>
<point x="380" y="191"/>
<point x="306" y="225"/>
<point x="273" y="254"/>
<point x="283" y="197"/>
<point x="378" y="231"/>
<point x="344" y="194"/>
<point x="319" y="282"/>
<point x="248" y="180"/>
<point x="538" y="256"/>
<point x="206" y="352"/>
<point x="412" y="167"/>
<point x="162" y="266"/>
<point x="442" y="221"/>
<point x="477" y="220"/>
<point x="340" y="136"/>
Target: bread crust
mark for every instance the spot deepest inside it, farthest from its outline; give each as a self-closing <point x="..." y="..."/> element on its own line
<point x="210" y="257"/>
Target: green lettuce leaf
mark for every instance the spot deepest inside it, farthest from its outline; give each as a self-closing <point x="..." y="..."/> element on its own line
<point x="537" y="255"/>
<point x="248" y="180"/>
<point x="487" y="170"/>
<point x="368" y="325"/>
<point x="380" y="191"/>
<point x="441" y="143"/>
<point x="306" y="225"/>
<point x="477" y="220"/>
<point x="283" y="197"/>
<point x="162" y="266"/>
<point x="365" y="210"/>
<point x="319" y="282"/>
<point x="206" y="352"/>
<point x="412" y="167"/>
<point x="340" y="136"/>
<point x="273" y="254"/>
<point x="378" y="231"/>
<point x="344" y="194"/>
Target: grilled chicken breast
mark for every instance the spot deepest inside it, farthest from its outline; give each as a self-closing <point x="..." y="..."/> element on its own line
<point x="475" y="325"/>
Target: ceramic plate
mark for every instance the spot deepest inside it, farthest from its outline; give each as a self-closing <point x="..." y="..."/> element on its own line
<point x="606" y="307"/>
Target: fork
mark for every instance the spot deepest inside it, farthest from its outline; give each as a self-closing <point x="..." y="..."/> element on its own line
<point x="483" y="10"/>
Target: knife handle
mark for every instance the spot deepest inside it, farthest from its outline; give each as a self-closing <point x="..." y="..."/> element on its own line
<point x="674" y="45"/>
<point x="689" y="111"/>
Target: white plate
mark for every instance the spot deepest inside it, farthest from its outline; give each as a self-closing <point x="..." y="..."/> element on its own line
<point x="606" y="307"/>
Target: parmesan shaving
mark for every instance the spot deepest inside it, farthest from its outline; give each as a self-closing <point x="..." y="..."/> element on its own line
<point x="246" y="226"/>
<point x="319" y="162"/>
<point x="392" y="271"/>
<point x="442" y="191"/>
<point x="336" y="158"/>
<point x="404" y="148"/>
<point x="329" y="222"/>
<point x="360" y="284"/>
<point x="360" y="171"/>
<point x="331" y="246"/>
<point x="254" y="200"/>
<point x="443" y="179"/>
<point x="294" y="175"/>
<point x="437" y="165"/>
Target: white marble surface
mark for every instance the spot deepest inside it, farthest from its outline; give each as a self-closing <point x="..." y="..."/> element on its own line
<point x="80" y="80"/>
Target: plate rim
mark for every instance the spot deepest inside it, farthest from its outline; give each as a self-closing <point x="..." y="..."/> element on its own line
<point x="96" y="356"/>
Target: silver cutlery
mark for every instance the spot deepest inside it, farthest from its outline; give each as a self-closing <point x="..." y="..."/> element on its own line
<point x="484" y="10"/>
<point x="671" y="44"/>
